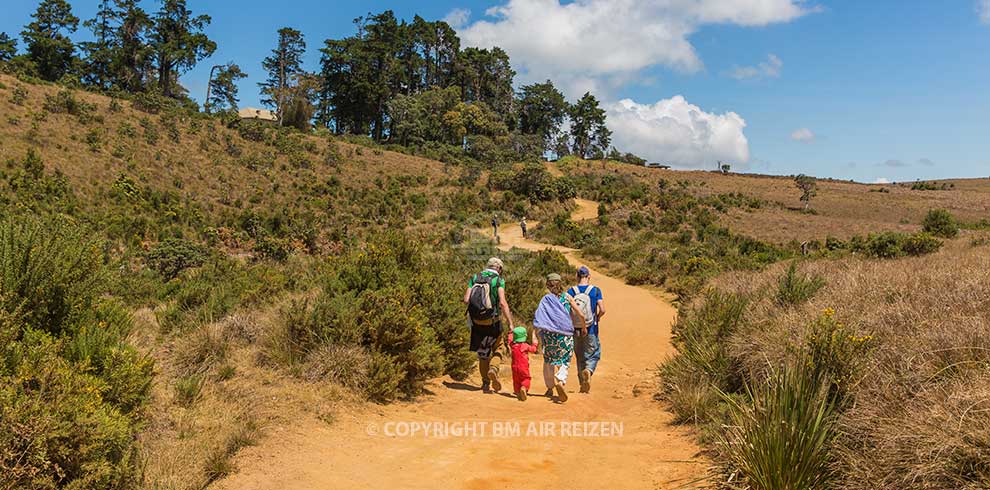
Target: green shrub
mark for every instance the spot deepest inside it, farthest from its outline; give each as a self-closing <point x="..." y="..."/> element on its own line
<point x="70" y="389"/>
<point x="794" y="289"/>
<point x="384" y="377"/>
<point x="272" y="248"/>
<point x="65" y="102"/>
<point x="173" y="255"/>
<point x="19" y="95"/>
<point x="253" y="130"/>
<point x="941" y="223"/>
<point x="153" y="102"/>
<point x="921" y="244"/>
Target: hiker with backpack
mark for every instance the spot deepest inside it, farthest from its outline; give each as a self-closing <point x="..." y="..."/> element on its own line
<point x="486" y="303"/>
<point x="558" y="319"/>
<point x="522" y="226"/>
<point x="587" y="348"/>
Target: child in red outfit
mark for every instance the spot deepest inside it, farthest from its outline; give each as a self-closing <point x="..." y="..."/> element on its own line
<point x="520" y="361"/>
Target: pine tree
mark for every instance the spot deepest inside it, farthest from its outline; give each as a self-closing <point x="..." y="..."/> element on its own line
<point x="590" y="137"/>
<point x="283" y="66"/>
<point x="223" y="88"/>
<point x="47" y="40"/>
<point x="542" y="110"/>
<point x="131" y="63"/>
<point x="8" y="47"/>
<point x="178" y="43"/>
<point x="100" y="51"/>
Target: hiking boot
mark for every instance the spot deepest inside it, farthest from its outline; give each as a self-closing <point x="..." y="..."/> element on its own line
<point x="561" y="394"/>
<point x="493" y="379"/>
<point x="585" y="377"/>
<point x="485" y="387"/>
<point x="549" y="393"/>
<point x="522" y="395"/>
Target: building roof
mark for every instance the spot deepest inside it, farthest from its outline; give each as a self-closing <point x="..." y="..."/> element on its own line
<point x="254" y="113"/>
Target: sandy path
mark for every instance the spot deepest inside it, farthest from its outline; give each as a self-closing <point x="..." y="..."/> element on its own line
<point x="367" y="450"/>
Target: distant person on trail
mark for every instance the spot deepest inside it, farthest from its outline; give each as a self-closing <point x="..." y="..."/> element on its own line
<point x="486" y="303"/>
<point x="558" y="319"/>
<point x="522" y="225"/>
<point x="587" y="348"/>
<point x="521" y="349"/>
<point x="495" y="226"/>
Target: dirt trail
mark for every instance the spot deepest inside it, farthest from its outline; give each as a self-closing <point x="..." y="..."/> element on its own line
<point x="356" y="452"/>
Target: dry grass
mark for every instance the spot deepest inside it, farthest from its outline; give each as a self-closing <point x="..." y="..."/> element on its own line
<point x="186" y="446"/>
<point x="843" y="208"/>
<point x="921" y="411"/>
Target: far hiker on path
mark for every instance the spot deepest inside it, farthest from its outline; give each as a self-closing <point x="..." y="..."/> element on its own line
<point x="558" y="319"/>
<point x="587" y="348"/>
<point x="521" y="349"/>
<point x="495" y="227"/>
<point x="522" y="225"/>
<point x="486" y="303"/>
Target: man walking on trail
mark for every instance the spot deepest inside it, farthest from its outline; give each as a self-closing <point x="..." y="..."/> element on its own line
<point x="495" y="226"/>
<point x="587" y="348"/>
<point x="485" y="299"/>
<point x="522" y="226"/>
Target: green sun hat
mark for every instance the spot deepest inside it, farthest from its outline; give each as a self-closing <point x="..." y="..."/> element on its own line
<point x="519" y="335"/>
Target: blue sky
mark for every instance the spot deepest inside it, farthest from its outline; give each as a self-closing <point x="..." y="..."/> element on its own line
<point x="885" y="89"/>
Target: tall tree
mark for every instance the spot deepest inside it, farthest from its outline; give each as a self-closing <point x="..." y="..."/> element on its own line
<point x="542" y="109"/>
<point x="100" y="51"/>
<point x="486" y="76"/>
<point x="132" y="57"/>
<point x="223" y="88"/>
<point x="178" y="43"/>
<point x="590" y="137"/>
<point x="47" y="40"/>
<point x="283" y="66"/>
<point x="8" y="47"/>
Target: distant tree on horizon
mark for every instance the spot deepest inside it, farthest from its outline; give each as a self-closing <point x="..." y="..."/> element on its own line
<point x="223" y="88"/>
<point x="808" y="186"/>
<point x="178" y="43"/>
<point x="590" y="137"/>
<point x="47" y="39"/>
<point x="8" y="47"/>
<point x="542" y="110"/>
<point x="283" y="67"/>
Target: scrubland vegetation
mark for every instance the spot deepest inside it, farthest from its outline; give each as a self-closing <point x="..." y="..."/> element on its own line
<point x="172" y="282"/>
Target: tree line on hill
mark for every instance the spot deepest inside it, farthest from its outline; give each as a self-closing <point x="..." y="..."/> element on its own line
<point x="408" y="83"/>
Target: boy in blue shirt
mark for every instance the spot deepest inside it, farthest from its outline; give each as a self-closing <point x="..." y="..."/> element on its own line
<point x="587" y="348"/>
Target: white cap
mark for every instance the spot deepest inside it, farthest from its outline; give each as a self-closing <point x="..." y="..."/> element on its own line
<point x="495" y="262"/>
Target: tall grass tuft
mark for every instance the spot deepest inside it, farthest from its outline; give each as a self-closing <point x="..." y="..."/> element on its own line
<point x="782" y="441"/>
<point x="794" y="288"/>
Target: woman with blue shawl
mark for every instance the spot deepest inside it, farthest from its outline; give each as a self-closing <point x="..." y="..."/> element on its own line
<point x="556" y="319"/>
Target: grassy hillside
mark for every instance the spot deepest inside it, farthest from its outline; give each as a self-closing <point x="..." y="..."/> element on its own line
<point x="176" y="284"/>
<point x="215" y="280"/>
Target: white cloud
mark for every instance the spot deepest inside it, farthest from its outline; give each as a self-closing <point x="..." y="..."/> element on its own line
<point x="804" y="135"/>
<point x="765" y="69"/>
<point x="926" y="162"/>
<point x="604" y="43"/>
<point x="677" y="132"/>
<point x="457" y="18"/>
<point x="881" y="180"/>
<point x="983" y="10"/>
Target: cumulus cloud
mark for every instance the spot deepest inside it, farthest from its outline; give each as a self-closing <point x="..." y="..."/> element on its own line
<point x="803" y="135"/>
<point x="765" y="69"/>
<point x="983" y="10"/>
<point x="881" y="180"/>
<point x="677" y="132"/>
<point x="457" y="18"/>
<point x="603" y="43"/>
